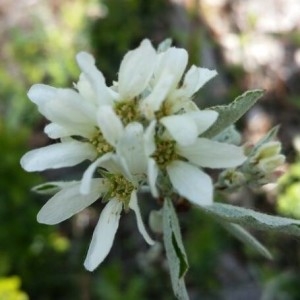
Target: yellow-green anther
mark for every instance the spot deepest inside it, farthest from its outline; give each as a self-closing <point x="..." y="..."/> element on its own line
<point x="165" y="152"/>
<point x="120" y="188"/>
<point x="127" y="111"/>
<point x="101" y="145"/>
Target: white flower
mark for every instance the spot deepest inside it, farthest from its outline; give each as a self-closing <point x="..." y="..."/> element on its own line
<point x="84" y="121"/>
<point x="170" y="155"/>
<point x="117" y="187"/>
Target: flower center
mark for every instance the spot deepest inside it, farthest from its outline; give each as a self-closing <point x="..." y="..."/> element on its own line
<point x="165" y="152"/>
<point x="101" y="145"/>
<point x="127" y="111"/>
<point x="120" y="188"/>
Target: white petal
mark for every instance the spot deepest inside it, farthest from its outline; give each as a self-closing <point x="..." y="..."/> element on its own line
<point x="89" y="172"/>
<point x="104" y="234"/>
<point x="69" y="202"/>
<point x="131" y="148"/>
<point x="195" y="78"/>
<point x="86" y="63"/>
<point x="56" y="131"/>
<point x="149" y="140"/>
<point x="173" y="61"/>
<point x="136" y="70"/>
<point x="154" y="100"/>
<point x="40" y="94"/>
<point x="133" y="204"/>
<point x="212" y="154"/>
<point x="110" y="124"/>
<point x="115" y="165"/>
<point x="182" y="128"/>
<point x="57" y="156"/>
<point x="152" y="176"/>
<point x="191" y="183"/>
<point x="69" y="107"/>
<point x="203" y="118"/>
<point x="86" y="90"/>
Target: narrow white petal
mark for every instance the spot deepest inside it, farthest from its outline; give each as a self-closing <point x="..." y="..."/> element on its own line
<point x="58" y="131"/>
<point x="115" y="165"/>
<point x="154" y="100"/>
<point x="195" y="78"/>
<point x="212" y="154"/>
<point x="86" y="180"/>
<point x="136" y="70"/>
<point x="173" y="61"/>
<point x="203" y="118"/>
<point x="191" y="183"/>
<point x="133" y="204"/>
<point x="152" y="176"/>
<point x="131" y="148"/>
<point x="57" y="156"/>
<point x="104" y="234"/>
<point x="69" y="202"/>
<point x="182" y="128"/>
<point x="40" y="94"/>
<point x="110" y="124"/>
<point x="86" y="63"/>
<point x="86" y="90"/>
<point x="149" y="140"/>
<point x="69" y="107"/>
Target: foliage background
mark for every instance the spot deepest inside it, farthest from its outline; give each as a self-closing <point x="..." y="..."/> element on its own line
<point x="250" y="46"/>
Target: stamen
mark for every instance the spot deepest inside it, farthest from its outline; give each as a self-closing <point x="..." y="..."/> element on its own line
<point x="120" y="188"/>
<point x="127" y="111"/>
<point x="101" y="145"/>
<point x="165" y="152"/>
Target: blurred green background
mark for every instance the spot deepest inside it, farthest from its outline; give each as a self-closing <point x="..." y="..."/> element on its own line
<point x="249" y="45"/>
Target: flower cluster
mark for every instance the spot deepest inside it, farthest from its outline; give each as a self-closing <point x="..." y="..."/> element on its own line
<point x="145" y="129"/>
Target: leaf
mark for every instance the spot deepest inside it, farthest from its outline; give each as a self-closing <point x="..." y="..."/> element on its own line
<point x="229" y="135"/>
<point x="229" y="114"/>
<point x="247" y="238"/>
<point x="251" y="218"/>
<point x="176" y="255"/>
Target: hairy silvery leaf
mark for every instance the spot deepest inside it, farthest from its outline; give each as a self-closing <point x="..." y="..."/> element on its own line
<point x="229" y="135"/>
<point x="229" y="114"/>
<point x="176" y="255"/>
<point x="251" y="218"/>
<point x="245" y="237"/>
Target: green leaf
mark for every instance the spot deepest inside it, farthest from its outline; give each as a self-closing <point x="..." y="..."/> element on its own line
<point x="251" y="218"/>
<point x="176" y="255"/>
<point x="245" y="237"/>
<point x="229" y="114"/>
